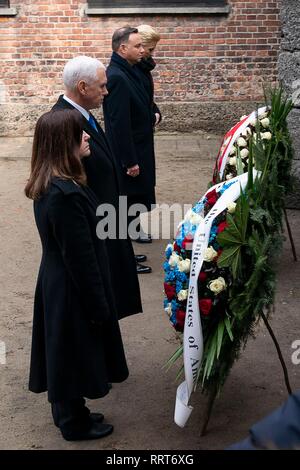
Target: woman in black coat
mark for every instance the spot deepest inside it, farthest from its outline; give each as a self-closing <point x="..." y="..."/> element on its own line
<point x="150" y="39"/>
<point x="77" y="349"/>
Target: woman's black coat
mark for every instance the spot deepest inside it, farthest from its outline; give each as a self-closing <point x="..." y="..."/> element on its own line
<point x="76" y="342"/>
<point x="129" y="118"/>
<point x="103" y="180"/>
<point x="145" y="67"/>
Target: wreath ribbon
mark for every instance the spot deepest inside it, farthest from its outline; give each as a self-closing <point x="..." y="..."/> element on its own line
<point x="192" y="335"/>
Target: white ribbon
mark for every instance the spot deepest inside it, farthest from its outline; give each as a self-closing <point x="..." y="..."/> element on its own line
<point x="237" y="134"/>
<point x="192" y="336"/>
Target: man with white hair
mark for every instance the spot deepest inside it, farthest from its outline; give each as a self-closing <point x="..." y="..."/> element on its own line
<point x="85" y="87"/>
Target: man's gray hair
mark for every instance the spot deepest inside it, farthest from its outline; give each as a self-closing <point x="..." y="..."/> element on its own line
<point x="81" y="68"/>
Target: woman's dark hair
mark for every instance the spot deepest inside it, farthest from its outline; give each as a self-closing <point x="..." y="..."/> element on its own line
<point x="55" y="151"/>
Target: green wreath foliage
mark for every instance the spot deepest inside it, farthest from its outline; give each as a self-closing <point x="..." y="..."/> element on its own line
<point x="252" y="243"/>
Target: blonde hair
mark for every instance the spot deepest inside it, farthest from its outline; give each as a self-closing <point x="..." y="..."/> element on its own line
<point x="148" y="34"/>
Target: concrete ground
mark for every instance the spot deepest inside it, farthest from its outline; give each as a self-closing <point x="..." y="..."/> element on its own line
<point x="142" y="407"/>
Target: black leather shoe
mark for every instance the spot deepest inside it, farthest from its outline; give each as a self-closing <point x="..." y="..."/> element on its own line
<point x="140" y="258"/>
<point x="141" y="269"/>
<point x="95" y="417"/>
<point x="144" y="239"/>
<point x="96" y="431"/>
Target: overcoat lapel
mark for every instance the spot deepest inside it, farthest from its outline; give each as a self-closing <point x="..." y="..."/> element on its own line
<point x="119" y="62"/>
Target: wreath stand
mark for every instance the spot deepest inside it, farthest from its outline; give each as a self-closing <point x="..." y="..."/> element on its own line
<point x="213" y="393"/>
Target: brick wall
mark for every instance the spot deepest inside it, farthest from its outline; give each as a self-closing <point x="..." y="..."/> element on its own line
<point x="210" y="68"/>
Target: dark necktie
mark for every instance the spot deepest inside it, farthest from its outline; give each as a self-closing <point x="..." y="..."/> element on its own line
<point x="93" y="123"/>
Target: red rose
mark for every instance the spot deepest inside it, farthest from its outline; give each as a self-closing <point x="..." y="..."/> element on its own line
<point x="177" y="248"/>
<point x="211" y="197"/>
<point x="220" y="251"/>
<point x="222" y="226"/>
<point x="202" y="276"/>
<point x="187" y="243"/>
<point x="205" y="306"/>
<point x="170" y="291"/>
<point x="180" y="317"/>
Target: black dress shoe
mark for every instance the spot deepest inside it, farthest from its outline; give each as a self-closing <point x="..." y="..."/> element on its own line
<point x="143" y="239"/>
<point x="141" y="269"/>
<point x="140" y="258"/>
<point x="95" y="417"/>
<point x="96" y="431"/>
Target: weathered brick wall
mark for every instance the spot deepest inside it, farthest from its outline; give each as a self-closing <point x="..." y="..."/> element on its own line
<point x="210" y="68"/>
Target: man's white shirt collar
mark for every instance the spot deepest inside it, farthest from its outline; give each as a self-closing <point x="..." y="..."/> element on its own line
<point x="83" y="111"/>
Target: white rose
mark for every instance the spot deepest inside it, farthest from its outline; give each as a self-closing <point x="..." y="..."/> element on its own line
<point x="232" y="151"/>
<point x="168" y="309"/>
<point x="231" y="207"/>
<point x="229" y="176"/>
<point x="184" y="265"/>
<point x="263" y="115"/>
<point x="242" y="142"/>
<point x="266" y="135"/>
<point x="217" y="285"/>
<point x="174" y="259"/>
<point x="244" y="153"/>
<point x="188" y="215"/>
<point x="232" y="161"/>
<point x="246" y="132"/>
<point x="182" y="295"/>
<point x="195" y="219"/>
<point x="265" y="122"/>
<point x="209" y="254"/>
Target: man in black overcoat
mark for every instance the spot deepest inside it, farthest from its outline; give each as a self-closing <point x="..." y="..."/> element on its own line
<point x="85" y="84"/>
<point x="129" y="120"/>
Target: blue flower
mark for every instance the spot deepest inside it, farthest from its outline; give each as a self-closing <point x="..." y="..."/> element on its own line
<point x="166" y="266"/>
<point x="173" y="318"/>
<point x="174" y="306"/>
<point x="179" y="286"/>
<point x="166" y="303"/>
<point x="213" y="233"/>
<point x="200" y="205"/>
<point x="170" y="276"/>
<point x="182" y="277"/>
<point x="226" y="186"/>
<point x="169" y="252"/>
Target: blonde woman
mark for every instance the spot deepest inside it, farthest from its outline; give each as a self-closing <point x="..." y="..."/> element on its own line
<point x="150" y="38"/>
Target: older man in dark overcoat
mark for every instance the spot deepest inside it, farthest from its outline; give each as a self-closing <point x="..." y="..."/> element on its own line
<point x="85" y="89"/>
<point x="129" y="120"/>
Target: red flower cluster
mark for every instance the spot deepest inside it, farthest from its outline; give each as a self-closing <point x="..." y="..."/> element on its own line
<point x="211" y="197"/>
<point x="187" y="243"/>
<point x="180" y="317"/>
<point x="170" y="291"/>
<point x="205" y="306"/>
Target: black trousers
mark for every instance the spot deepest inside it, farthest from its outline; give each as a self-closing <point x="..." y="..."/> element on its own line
<point x="71" y="416"/>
